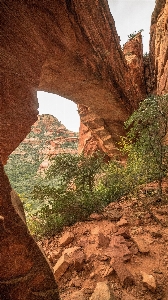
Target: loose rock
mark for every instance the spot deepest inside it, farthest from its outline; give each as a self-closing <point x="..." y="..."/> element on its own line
<point x="148" y="281"/>
<point x="118" y="248"/>
<point x="103" y="241"/>
<point x="102" y="292"/>
<point x="125" y="277"/>
<point x="142" y="245"/>
<point x="77" y="296"/>
<point x="60" y="267"/>
<point x="66" y="239"/>
<point x="96" y="216"/>
<point x="122" y="222"/>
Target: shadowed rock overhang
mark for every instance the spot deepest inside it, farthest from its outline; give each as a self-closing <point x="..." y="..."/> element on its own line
<point x="70" y="48"/>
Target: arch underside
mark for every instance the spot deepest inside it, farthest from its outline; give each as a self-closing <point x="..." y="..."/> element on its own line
<point x="70" y="48"/>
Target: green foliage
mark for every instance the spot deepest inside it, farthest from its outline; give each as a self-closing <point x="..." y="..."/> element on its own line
<point x="74" y="186"/>
<point x="147" y="152"/>
<point x="132" y="35"/>
<point x="67" y="194"/>
<point x="22" y="171"/>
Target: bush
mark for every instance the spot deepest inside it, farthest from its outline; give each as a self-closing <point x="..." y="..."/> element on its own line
<point x="145" y="142"/>
<point x="67" y="193"/>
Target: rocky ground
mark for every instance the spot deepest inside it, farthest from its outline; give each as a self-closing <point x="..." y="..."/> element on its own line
<point x="121" y="254"/>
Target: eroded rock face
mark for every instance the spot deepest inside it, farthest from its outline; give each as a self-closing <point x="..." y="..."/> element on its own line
<point x="133" y="51"/>
<point x="159" y="46"/>
<point x="70" y="48"/>
<point x="24" y="271"/>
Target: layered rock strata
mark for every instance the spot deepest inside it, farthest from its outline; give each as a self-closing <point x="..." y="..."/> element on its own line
<point x="24" y="271"/>
<point x="159" y="46"/>
<point x="70" y="48"/>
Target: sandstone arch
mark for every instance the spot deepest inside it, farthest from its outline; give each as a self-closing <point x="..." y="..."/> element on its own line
<point x="71" y="48"/>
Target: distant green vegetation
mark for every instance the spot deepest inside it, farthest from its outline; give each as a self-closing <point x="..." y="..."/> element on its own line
<point x="74" y="186"/>
<point x="23" y="164"/>
<point x="22" y="171"/>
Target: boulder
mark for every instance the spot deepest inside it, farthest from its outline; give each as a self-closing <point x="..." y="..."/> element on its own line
<point x="61" y="267"/>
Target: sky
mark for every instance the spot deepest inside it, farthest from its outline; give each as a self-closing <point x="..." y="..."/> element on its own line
<point x="129" y="16"/>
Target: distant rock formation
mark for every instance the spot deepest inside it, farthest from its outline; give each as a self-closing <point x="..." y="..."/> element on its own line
<point x="47" y="138"/>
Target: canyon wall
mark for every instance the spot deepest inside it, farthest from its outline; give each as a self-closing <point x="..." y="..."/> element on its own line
<point x="159" y="46"/>
<point x="70" y="48"/>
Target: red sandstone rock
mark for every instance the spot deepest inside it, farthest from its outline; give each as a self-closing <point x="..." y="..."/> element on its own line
<point x="61" y="47"/>
<point x="122" y="222"/>
<point x="24" y="271"/>
<point x="126" y="278"/>
<point x="60" y="267"/>
<point x="118" y="249"/>
<point x="66" y="239"/>
<point x="133" y="51"/>
<point x="103" y="241"/>
<point x="102" y="292"/>
<point x="149" y="281"/>
<point x="159" y="46"/>
<point x="77" y="48"/>
<point x="142" y="244"/>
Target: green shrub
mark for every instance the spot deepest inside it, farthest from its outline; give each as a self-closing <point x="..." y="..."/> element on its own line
<point x="66" y="194"/>
<point x="145" y="142"/>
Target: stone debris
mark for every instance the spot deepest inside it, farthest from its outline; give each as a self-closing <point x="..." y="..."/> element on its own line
<point x="66" y="239"/>
<point x="124" y="232"/>
<point x="102" y="292"/>
<point x="60" y="267"/>
<point x="125" y="277"/>
<point x="148" y="281"/>
<point x="78" y="295"/>
<point x="71" y="256"/>
<point x="108" y="271"/>
<point x="102" y="254"/>
<point x="122" y="222"/>
<point x="103" y="241"/>
<point x="113" y="215"/>
<point x="96" y="216"/>
<point x="54" y="256"/>
<point x="118" y="248"/>
<point x="143" y="245"/>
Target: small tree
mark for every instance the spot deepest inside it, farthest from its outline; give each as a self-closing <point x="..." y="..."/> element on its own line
<point x="148" y="127"/>
<point x="66" y="194"/>
<point x="132" y="35"/>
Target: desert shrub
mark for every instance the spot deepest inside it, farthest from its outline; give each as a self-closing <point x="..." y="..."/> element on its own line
<point x="145" y="141"/>
<point x="66" y="194"/>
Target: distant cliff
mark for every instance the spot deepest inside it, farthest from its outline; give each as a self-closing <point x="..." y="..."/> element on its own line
<point x="48" y="137"/>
